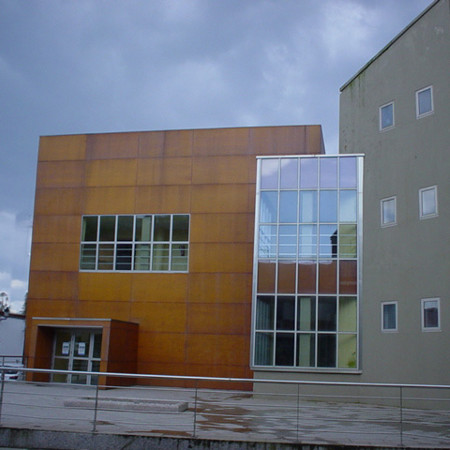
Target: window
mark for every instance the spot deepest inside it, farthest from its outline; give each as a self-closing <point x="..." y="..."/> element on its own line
<point x="424" y="102"/>
<point x="389" y="316"/>
<point x="387" y="116"/>
<point x="428" y="202"/>
<point x="389" y="211"/>
<point x="430" y="314"/>
<point x="148" y="243"/>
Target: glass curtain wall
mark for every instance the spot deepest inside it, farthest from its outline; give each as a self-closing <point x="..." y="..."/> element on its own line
<point x="306" y="280"/>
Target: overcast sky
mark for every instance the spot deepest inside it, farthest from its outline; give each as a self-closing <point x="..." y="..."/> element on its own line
<point x="91" y="66"/>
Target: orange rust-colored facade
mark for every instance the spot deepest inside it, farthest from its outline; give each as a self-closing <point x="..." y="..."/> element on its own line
<point x="196" y="323"/>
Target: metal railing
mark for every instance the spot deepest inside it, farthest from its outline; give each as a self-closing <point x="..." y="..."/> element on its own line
<point x="307" y="412"/>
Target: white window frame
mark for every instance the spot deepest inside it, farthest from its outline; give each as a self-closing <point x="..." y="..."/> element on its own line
<point x="382" y="202"/>
<point x="436" y="212"/>
<point x="427" y="113"/>
<point x="389" y="127"/>
<point x="389" y="330"/>
<point x="422" y="305"/>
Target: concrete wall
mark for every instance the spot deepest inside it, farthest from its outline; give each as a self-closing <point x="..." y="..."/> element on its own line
<point x="409" y="261"/>
<point x="12" y="333"/>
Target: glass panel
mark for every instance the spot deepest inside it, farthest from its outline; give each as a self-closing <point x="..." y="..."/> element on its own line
<point x="268" y="207"/>
<point x="287" y="241"/>
<point x="326" y="317"/>
<point x="97" y="351"/>
<point x="389" y="316"/>
<point x="308" y="206"/>
<point x="328" y="172"/>
<point x="143" y="228"/>
<point x="180" y="230"/>
<point x="326" y="350"/>
<point x="328" y="241"/>
<point x="123" y="256"/>
<point x="82" y="366"/>
<point x="269" y="174"/>
<point x="160" y="257"/>
<point x="347" y="206"/>
<point x="125" y="228"/>
<point x="307" y="277"/>
<point x="307" y="241"/>
<point x="265" y="307"/>
<point x="388" y="210"/>
<point x="430" y="314"/>
<point x="327" y="277"/>
<point x="179" y="257"/>
<point x="88" y="256"/>
<point x="95" y="368"/>
<point x="107" y="228"/>
<point x="288" y="206"/>
<point x="286" y="277"/>
<point x="82" y="342"/>
<point x="162" y="228"/>
<point x="60" y="364"/>
<point x="424" y="101"/>
<point x="347" y="172"/>
<point x="348" y="277"/>
<point x="387" y="116"/>
<point x="142" y="257"/>
<point x="106" y="257"/>
<point x="264" y="349"/>
<point x="306" y="350"/>
<point x="347" y="351"/>
<point x="284" y="352"/>
<point x="62" y="343"/>
<point x="306" y="314"/>
<point x="347" y="314"/>
<point x="428" y="201"/>
<point x="89" y="228"/>
<point x="347" y="241"/>
<point x="267" y="241"/>
<point x="285" y="313"/>
<point x="266" y="276"/>
<point x="308" y="173"/>
<point x="289" y="173"/>
<point x="328" y="206"/>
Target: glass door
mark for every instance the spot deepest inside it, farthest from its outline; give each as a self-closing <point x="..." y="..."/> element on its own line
<point x="78" y="350"/>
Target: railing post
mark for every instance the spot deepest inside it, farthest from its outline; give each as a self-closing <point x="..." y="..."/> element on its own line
<point x="195" y="409"/>
<point x="1" y="393"/>
<point x="94" y="427"/>
<point x="401" y="416"/>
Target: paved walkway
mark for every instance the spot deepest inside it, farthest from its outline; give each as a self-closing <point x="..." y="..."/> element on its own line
<point x="223" y="415"/>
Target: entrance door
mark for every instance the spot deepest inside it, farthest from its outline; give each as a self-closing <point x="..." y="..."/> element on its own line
<point x="79" y="350"/>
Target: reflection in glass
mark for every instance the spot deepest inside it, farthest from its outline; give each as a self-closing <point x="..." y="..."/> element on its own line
<point x="105" y="256"/>
<point x="285" y="313"/>
<point x="327" y="277"/>
<point x="326" y="350"/>
<point x="306" y="314"/>
<point x="389" y="211"/>
<point x="289" y="173"/>
<point x="308" y="206"/>
<point x="390" y="316"/>
<point x="326" y="314"/>
<point x="180" y="228"/>
<point x="266" y="276"/>
<point x="286" y="276"/>
<point x="265" y="307"/>
<point x="124" y="256"/>
<point x="347" y="172"/>
<point x="89" y="228"/>
<point x="162" y="228"/>
<point x="97" y="345"/>
<point x="107" y="228"/>
<point x="125" y="228"/>
<point x="328" y="172"/>
<point x="307" y="241"/>
<point x="269" y="174"/>
<point x="347" y="206"/>
<point x="287" y="241"/>
<point x="347" y="351"/>
<point x="308" y="173"/>
<point x="328" y="241"/>
<point x="264" y="349"/>
<point x="428" y="202"/>
<point x="347" y="276"/>
<point x="424" y="101"/>
<point x="306" y="350"/>
<point x="328" y="206"/>
<point x="267" y="247"/>
<point x="179" y="261"/>
<point x="143" y="228"/>
<point x="306" y="277"/>
<point x="142" y="257"/>
<point x="347" y="241"/>
<point x="288" y="206"/>
<point x="347" y="314"/>
<point x="160" y="257"/>
<point x="284" y="352"/>
<point x="88" y="256"/>
<point x="268" y="207"/>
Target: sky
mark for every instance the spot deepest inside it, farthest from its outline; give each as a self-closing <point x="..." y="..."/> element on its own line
<point x="94" y="66"/>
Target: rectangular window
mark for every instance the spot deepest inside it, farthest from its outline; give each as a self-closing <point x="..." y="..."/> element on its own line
<point x="428" y="204"/>
<point x="389" y="316"/>
<point x="389" y="211"/>
<point x="431" y="314"/>
<point x="424" y="102"/>
<point x="144" y="243"/>
<point x="386" y="116"/>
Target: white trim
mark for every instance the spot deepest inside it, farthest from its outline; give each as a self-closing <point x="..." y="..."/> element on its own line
<point x="427" y="113"/>
<point x="423" y="216"/>
<point x="389" y="127"/>
<point x="382" y="202"/>
<point x="389" y="330"/>
<point x="422" y="308"/>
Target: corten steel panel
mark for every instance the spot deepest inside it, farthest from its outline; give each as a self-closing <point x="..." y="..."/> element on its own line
<point x="110" y="200"/>
<point x="66" y="148"/>
<point x="57" y="229"/>
<point x="160" y="287"/>
<point x="221" y="228"/>
<point x="105" y="286"/>
<point x="226" y="141"/>
<point x="220" y="287"/>
<point x="286" y="277"/>
<point x="160" y="317"/>
<point x="151" y="144"/>
<point x="212" y="257"/>
<point x="45" y="307"/>
<point x="222" y="198"/>
<point x="59" y="201"/>
<point x="164" y="171"/>
<point x="163" y="199"/>
<point x="55" y="257"/>
<point x="53" y="285"/>
<point x="231" y="318"/>
<point x="178" y="143"/>
<point x="112" y="309"/>
<point x="266" y="277"/>
<point x="60" y="174"/>
<point x="162" y="347"/>
<point x="111" y="172"/>
<point x="220" y="169"/>
<point x="112" y="145"/>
